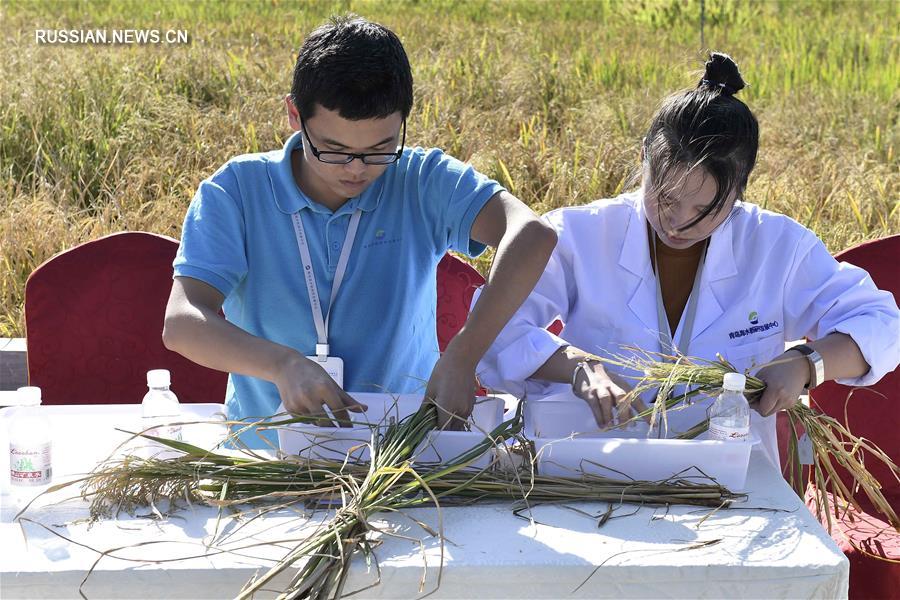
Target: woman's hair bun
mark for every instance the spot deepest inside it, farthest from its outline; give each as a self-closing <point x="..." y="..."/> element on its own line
<point x="722" y="74"/>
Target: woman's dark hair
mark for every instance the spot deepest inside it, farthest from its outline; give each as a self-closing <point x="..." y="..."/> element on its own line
<point x="355" y="67"/>
<point x="705" y="127"/>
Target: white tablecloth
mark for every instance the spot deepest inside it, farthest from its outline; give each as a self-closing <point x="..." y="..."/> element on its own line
<point x="769" y="547"/>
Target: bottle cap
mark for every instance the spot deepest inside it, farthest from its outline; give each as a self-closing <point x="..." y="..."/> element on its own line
<point x="734" y="382"/>
<point x="159" y="378"/>
<point x="29" y="395"/>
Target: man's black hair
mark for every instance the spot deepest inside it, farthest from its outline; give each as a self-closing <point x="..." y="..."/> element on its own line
<point x="355" y="67"/>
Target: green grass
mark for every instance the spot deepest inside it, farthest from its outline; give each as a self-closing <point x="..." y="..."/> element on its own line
<point x="551" y="99"/>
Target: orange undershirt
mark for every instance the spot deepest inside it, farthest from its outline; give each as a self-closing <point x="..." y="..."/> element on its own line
<point x="677" y="269"/>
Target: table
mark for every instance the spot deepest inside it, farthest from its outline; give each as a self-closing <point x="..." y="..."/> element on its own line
<point x="770" y="547"/>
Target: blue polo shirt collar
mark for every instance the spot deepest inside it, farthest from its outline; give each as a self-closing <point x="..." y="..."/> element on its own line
<point x="288" y="197"/>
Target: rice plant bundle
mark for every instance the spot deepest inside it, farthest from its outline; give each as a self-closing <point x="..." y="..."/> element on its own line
<point x="390" y="481"/>
<point x="834" y="445"/>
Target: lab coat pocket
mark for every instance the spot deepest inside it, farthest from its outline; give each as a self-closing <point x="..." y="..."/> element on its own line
<point x="749" y="357"/>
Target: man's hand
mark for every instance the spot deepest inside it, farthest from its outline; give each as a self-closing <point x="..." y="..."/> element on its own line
<point x="786" y="378"/>
<point x="306" y="388"/>
<point x="452" y="388"/>
<point x="602" y="392"/>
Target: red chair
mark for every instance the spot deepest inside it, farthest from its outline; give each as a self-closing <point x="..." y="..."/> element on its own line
<point x="457" y="281"/>
<point x="872" y="413"/>
<point x="94" y="318"/>
<point x="555" y="327"/>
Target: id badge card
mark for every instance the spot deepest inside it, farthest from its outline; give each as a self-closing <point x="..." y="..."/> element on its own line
<point x="333" y="365"/>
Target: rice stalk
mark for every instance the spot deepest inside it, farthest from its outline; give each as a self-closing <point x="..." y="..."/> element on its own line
<point x="834" y="445"/>
<point x="389" y="482"/>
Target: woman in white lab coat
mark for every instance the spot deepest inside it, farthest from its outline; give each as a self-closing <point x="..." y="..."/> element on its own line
<point x="732" y="278"/>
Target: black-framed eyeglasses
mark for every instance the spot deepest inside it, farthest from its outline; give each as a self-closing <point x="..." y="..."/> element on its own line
<point x="344" y="158"/>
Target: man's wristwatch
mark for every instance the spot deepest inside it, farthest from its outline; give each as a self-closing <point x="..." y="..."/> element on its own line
<point x="816" y="365"/>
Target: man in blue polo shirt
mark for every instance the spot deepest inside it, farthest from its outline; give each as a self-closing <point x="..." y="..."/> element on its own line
<point x="323" y="254"/>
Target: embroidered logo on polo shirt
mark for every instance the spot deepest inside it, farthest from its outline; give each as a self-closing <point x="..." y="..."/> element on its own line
<point x="381" y="239"/>
<point x="753" y="317"/>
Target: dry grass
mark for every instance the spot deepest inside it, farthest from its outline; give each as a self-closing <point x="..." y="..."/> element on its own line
<point x="549" y="99"/>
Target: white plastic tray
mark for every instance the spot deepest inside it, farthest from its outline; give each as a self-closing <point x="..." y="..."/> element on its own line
<point x="563" y="415"/>
<point x="336" y="443"/>
<point x="569" y="444"/>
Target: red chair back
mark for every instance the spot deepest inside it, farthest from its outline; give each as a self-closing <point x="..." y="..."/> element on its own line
<point x="872" y="412"/>
<point x="94" y="318"/>
<point x="457" y="281"/>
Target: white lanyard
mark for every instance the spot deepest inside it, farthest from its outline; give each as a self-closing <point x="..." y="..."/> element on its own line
<point x="666" y="342"/>
<point x="310" y="277"/>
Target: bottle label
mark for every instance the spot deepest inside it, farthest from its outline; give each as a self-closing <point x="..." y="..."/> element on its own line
<point x="30" y="465"/>
<point x="169" y="432"/>
<point x="729" y="434"/>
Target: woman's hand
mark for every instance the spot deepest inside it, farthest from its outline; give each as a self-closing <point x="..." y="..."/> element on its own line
<point x="786" y="378"/>
<point x="601" y="391"/>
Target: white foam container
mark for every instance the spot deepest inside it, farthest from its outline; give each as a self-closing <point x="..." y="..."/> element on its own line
<point x="569" y="444"/>
<point x="337" y="443"/>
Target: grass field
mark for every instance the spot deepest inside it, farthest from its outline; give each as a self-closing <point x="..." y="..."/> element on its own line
<point x="551" y="99"/>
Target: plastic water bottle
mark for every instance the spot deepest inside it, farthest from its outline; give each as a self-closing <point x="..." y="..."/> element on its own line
<point x="160" y="408"/>
<point x="30" y="448"/>
<point x="729" y="416"/>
